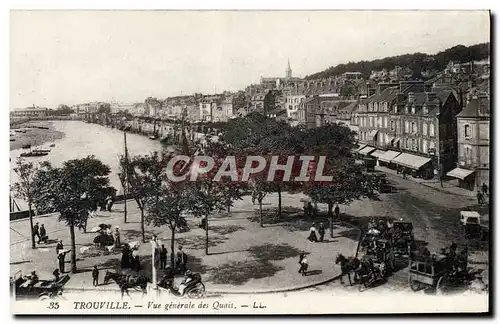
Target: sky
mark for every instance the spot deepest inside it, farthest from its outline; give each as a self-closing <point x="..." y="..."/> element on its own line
<point x="70" y="57"/>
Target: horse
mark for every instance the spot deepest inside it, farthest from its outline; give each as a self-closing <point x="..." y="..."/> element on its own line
<point x="347" y="265"/>
<point x="125" y="282"/>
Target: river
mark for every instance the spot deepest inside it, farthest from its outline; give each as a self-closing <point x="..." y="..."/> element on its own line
<point x="82" y="139"/>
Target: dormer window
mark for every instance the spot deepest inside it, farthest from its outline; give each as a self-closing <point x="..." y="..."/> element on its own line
<point x="425" y="110"/>
<point x="413" y="109"/>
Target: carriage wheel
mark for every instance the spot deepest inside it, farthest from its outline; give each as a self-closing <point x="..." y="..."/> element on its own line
<point x="415" y="285"/>
<point x="440" y="286"/>
<point x="43" y="297"/>
<point x="197" y="292"/>
<point x="382" y="270"/>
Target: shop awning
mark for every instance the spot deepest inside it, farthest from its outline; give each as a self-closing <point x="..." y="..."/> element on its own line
<point x="377" y="153"/>
<point x="391" y="139"/>
<point x="388" y="156"/>
<point x="460" y="173"/>
<point x="411" y="161"/>
<point x="373" y="133"/>
<point x="397" y="140"/>
<point x="362" y="146"/>
<point x="367" y="150"/>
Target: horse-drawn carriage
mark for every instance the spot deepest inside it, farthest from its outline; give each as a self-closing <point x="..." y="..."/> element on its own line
<point x="402" y="237"/>
<point x="41" y="289"/>
<point x="438" y="272"/>
<point x="471" y="226"/>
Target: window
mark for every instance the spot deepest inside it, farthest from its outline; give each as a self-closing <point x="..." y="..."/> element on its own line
<point x="424" y="129"/>
<point x="371" y="121"/>
<point x="432" y="145"/>
<point x="413" y="109"/>
<point x="414" y="145"/>
<point x="467" y="130"/>
<point x="379" y="123"/>
<point x="385" y="122"/>
<point x="424" y="109"/>
<point x="393" y="125"/>
<point x="424" y="143"/>
<point x="395" y="109"/>
<point x="407" y="143"/>
<point x="413" y="127"/>
<point x="407" y="126"/>
<point x="431" y="130"/>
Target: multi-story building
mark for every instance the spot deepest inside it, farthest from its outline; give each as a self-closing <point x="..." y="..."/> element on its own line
<point x="292" y="104"/>
<point x="417" y="128"/>
<point x="312" y="107"/>
<point x="152" y="107"/>
<point x="29" y="112"/>
<point x="473" y="126"/>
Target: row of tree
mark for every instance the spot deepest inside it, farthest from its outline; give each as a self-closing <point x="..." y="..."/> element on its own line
<point x="76" y="187"/>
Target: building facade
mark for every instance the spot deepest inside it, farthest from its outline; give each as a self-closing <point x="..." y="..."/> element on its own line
<point x="473" y="127"/>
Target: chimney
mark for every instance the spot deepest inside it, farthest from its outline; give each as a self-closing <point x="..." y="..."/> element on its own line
<point x="431" y="96"/>
<point x="411" y="97"/>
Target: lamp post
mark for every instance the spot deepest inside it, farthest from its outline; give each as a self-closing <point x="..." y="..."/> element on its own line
<point x="155" y="245"/>
<point x="125" y="176"/>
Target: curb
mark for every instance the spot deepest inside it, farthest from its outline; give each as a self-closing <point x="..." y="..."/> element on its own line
<point x="445" y="191"/>
<point x="224" y="292"/>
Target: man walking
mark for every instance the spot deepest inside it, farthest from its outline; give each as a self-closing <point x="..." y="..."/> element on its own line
<point x="163" y="257"/>
<point x="95" y="276"/>
<point x="321" y="232"/>
<point x="59" y="247"/>
<point x="181" y="260"/>
<point x="337" y="212"/>
<point x="484" y="188"/>
<point x="117" y="237"/>
<point x="43" y="235"/>
<point x="36" y="232"/>
<point x="60" y="257"/>
<point x="480" y="197"/>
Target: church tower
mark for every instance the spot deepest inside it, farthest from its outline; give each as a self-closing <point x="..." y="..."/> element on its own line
<point x="288" y="72"/>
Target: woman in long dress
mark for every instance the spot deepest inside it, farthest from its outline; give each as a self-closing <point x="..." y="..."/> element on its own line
<point x="313" y="235"/>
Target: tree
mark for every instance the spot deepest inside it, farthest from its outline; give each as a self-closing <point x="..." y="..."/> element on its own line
<point x="70" y="190"/>
<point x="22" y="189"/>
<point x="168" y="202"/>
<point x="209" y="196"/>
<point x="104" y="108"/>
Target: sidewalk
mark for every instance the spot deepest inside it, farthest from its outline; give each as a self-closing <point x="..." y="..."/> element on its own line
<point x="448" y="187"/>
<point x="243" y="258"/>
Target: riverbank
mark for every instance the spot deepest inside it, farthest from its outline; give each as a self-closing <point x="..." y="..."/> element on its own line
<point x="34" y="136"/>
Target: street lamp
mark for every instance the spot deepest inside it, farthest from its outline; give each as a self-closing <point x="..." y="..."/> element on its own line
<point x="125" y="176"/>
<point x="155" y="246"/>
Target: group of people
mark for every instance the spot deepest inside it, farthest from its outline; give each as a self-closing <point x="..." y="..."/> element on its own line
<point x="180" y="260"/>
<point x="481" y="194"/>
<point x="316" y="235"/>
<point x="130" y="258"/>
<point x="40" y="232"/>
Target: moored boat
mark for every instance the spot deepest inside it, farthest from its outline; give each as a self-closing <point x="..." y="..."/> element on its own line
<point x="34" y="154"/>
<point x="26" y="146"/>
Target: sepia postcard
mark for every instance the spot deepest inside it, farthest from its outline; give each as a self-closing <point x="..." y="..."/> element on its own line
<point x="249" y="162"/>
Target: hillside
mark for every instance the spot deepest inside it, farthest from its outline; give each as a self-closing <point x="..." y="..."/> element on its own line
<point x="417" y="62"/>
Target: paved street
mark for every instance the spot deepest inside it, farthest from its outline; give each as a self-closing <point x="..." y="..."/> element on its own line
<point x="244" y="257"/>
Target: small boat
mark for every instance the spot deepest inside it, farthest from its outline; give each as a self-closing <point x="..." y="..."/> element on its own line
<point x="41" y="151"/>
<point x="12" y="139"/>
<point x="18" y="131"/>
<point x="34" y="154"/>
<point x="26" y="146"/>
<point x="42" y="127"/>
<point x="52" y="145"/>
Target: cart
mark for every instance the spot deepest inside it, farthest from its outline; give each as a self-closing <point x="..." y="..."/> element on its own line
<point x="42" y="290"/>
<point x="428" y="271"/>
<point x="470" y="225"/>
<point x="403" y="238"/>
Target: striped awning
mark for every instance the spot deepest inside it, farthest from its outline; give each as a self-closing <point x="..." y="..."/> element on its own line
<point x="373" y="133"/>
<point x="362" y="146"/>
<point x="367" y="150"/>
<point x="378" y="153"/>
<point x="388" y="156"/>
<point x="460" y="173"/>
<point x="411" y="161"/>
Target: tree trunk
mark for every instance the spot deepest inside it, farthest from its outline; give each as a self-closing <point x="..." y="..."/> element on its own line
<point x="330" y="218"/>
<point x="73" y="247"/>
<point x="279" y="201"/>
<point x="33" y="246"/>
<point x="206" y="235"/>
<point x="142" y="225"/>
<point x="172" y="249"/>
<point x="261" y="216"/>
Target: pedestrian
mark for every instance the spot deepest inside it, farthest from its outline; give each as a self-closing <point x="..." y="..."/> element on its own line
<point x="59" y="247"/>
<point x="181" y="260"/>
<point x="309" y="209"/>
<point x="95" y="276"/>
<point x="36" y="232"/>
<point x="43" y="235"/>
<point x="163" y="257"/>
<point x="60" y="257"/>
<point x="135" y="257"/>
<point x="479" y="196"/>
<point x="313" y="237"/>
<point x="321" y="232"/>
<point x="112" y="202"/>
<point x="117" y="237"/>
<point x="125" y="261"/>
<point x="303" y="264"/>
<point x="337" y="212"/>
<point x="484" y="188"/>
<point x="108" y="203"/>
